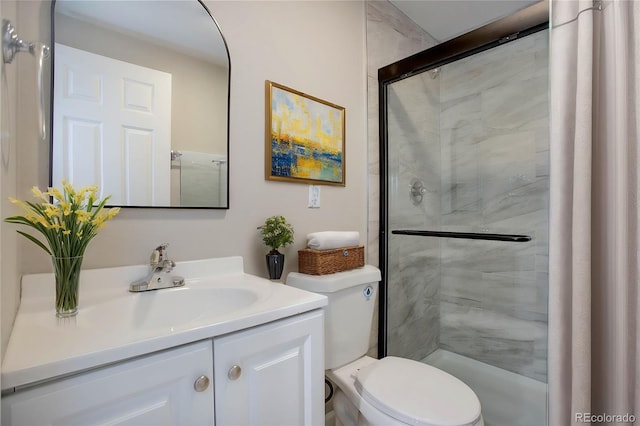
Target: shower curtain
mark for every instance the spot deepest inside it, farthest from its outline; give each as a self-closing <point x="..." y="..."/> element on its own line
<point x="594" y="364"/>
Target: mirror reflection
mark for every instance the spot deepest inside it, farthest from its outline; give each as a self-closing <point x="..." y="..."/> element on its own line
<point x="140" y="102"/>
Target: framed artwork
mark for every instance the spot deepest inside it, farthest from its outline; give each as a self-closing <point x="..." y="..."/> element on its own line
<point x="304" y="138"/>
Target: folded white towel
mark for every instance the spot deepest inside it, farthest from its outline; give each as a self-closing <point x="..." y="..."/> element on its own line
<point x="328" y="240"/>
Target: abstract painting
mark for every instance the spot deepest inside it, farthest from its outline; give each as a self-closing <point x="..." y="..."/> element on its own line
<point x="304" y="138"/>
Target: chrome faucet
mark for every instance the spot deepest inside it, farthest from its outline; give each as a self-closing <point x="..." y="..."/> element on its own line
<point x="160" y="274"/>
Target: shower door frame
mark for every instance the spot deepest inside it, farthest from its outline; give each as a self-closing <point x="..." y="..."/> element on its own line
<point x="514" y="27"/>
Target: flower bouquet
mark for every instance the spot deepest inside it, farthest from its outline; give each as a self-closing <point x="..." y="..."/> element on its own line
<point x="67" y="225"/>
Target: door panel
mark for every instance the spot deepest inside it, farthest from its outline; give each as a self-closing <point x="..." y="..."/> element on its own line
<point x="129" y="107"/>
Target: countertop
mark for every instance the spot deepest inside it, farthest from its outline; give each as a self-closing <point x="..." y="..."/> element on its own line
<point x="114" y="325"/>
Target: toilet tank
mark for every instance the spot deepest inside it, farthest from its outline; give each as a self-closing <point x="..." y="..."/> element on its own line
<point x="349" y="314"/>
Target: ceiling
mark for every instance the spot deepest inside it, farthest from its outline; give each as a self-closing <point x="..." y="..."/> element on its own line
<point x="446" y="19"/>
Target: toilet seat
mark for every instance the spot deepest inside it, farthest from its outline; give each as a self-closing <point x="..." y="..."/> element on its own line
<point x="417" y="394"/>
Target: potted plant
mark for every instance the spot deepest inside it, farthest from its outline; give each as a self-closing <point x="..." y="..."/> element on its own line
<point x="276" y="232"/>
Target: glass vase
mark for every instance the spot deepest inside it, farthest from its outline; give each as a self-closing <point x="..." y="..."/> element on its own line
<point x="67" y="273"/>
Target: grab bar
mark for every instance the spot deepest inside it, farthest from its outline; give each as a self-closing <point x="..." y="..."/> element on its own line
<point x="465" y="235"/>
<point x="11" y="45"/>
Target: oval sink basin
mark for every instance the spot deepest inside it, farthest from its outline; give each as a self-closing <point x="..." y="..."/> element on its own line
<point x="169" y="308"/>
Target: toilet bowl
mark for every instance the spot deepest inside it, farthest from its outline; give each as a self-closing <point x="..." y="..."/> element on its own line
<point x="388" y="392"/>
<point x="396" y="391"/>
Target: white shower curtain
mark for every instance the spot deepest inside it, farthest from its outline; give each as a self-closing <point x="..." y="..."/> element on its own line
<point x="594" y="368"/>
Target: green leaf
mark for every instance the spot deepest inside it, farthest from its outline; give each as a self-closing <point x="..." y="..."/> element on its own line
<point x="35" y="241"/>
<point x="18" y="219"/>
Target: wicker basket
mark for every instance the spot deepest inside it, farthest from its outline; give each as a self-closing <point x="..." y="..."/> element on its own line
<point x="322" y="262"/>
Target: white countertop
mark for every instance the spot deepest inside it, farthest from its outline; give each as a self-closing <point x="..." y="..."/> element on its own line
<point x="113" y="324"/>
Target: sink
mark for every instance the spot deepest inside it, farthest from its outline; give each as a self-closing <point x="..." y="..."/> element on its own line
<point x="171" y="308"/>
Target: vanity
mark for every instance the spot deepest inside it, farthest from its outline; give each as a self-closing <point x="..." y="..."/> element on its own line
<point x="227" y="348"/>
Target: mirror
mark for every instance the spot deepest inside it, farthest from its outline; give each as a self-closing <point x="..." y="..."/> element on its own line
<point x="140" y="102"/>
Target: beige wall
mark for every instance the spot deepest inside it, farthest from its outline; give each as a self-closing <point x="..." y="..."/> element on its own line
<point x="199" y="88"/>
<point x="316" y="47"/>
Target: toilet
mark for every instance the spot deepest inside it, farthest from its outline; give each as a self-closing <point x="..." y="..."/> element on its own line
<point x="388" y="392"/>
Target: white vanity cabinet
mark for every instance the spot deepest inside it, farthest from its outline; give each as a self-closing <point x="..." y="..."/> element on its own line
<point x="158" y="389"/>
<point x="272" y="374"/>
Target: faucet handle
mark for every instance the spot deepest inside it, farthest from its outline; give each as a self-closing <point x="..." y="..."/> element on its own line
<point x="162" y="247"/>
<point x="158" y="255"/>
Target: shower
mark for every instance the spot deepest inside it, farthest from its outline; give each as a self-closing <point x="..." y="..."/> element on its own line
<point x="464" y="212"/>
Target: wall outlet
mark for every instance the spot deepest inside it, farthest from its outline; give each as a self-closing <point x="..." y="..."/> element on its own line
<point x="314" y="197"/>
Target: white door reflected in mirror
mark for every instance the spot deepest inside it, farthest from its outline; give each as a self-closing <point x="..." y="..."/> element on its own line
<point x="125" y="147"/>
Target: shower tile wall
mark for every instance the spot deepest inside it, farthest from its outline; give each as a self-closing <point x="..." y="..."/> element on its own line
<point x="414" y="264"/>
<point x="495" y="178"/>
<point x="391" y="36"/>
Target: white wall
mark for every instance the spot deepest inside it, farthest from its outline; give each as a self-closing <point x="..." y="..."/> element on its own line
<point x="316" y="47"/>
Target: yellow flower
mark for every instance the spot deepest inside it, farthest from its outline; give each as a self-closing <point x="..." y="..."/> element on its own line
<point x="113" y="212"/>
<point x="31" y="218"/>
<point x="54" y="192"/>
<point x="43" y="222"/>
<point x="82" y="216"/>
<point x="51" y="210"/>
<point x="65" y="222"/>
<point x="39" y="194"/>
<point x="80" y="195"/>
<point x="66" y="208"/>
<point x="93" y="191"/>
<point x="22" y="205"/>
<point x="68" y="188"/>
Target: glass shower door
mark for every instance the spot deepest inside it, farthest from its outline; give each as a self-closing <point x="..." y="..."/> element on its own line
<point x="467" y="217"/>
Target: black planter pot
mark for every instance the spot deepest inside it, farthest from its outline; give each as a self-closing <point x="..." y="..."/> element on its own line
<point x="275" y="264"/>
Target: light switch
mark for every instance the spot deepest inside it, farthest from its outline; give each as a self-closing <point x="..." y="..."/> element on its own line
<point x="314" y="197"/>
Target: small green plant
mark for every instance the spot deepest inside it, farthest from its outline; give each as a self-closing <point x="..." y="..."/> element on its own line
<point x="276" y="232"/>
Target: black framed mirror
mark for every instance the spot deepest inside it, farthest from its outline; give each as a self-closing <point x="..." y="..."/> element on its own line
<point x="140" y="102"/>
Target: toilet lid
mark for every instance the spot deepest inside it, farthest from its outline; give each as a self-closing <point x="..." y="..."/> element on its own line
<point x="417" y="393"/>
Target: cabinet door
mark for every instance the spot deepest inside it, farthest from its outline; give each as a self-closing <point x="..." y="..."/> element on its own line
<point x="153" y="390"/>
<point x="272" y="374"/>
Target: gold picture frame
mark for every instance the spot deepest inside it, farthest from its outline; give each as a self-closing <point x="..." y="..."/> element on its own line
<point x="305" y="138"/>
